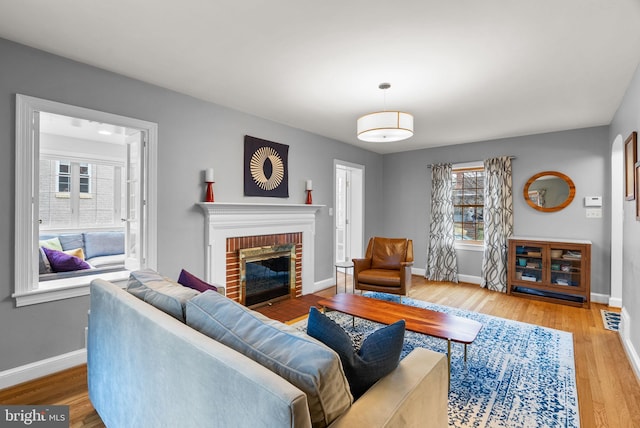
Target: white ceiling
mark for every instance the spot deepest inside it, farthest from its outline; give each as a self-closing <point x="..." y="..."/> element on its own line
<point x="468" y="70"/>
<point x="81" y="129"/>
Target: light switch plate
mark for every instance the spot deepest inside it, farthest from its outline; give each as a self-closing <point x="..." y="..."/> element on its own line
<point x="594" y="212"/>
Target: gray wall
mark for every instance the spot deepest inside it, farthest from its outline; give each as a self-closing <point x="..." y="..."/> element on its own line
<point x="627" y="120"/>
<point x="193" y="135"/>
<point x="581" y="154"/>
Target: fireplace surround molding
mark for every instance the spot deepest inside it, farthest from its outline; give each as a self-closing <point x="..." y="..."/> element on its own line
<point x="229" y="220"/>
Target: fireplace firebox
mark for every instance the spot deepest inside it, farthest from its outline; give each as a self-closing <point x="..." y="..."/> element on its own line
<point x="267" y="274"/>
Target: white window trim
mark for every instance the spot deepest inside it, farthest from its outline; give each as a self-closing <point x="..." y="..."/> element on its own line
<point x="465" y="246"/>
<point x="26" y="109"/>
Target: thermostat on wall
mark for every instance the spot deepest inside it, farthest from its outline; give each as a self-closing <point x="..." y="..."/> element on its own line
<point x="593" y="201"/>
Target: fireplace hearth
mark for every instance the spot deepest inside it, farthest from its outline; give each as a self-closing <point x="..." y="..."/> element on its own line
<point x="267" y="274"/>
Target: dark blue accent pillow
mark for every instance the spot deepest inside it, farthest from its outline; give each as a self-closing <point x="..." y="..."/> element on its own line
<point x="378" y="356"/>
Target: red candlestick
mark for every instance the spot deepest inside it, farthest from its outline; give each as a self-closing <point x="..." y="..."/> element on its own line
<point x="309" y="201"/>
<point x="209" y="197"/>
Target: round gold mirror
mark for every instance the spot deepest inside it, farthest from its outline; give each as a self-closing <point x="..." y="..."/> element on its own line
<point x="549" y="191"/>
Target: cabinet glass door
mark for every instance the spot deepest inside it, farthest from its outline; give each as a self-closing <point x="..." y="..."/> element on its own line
<point x="565" y="267"/>
<point x="528" y="263"/>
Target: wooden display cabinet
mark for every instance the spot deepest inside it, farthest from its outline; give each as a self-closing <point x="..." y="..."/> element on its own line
<point x="554" y="270"/>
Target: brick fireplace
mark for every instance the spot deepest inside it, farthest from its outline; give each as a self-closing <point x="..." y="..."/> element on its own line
<point x="264" y="244"/>
<point x="230" y="227"/>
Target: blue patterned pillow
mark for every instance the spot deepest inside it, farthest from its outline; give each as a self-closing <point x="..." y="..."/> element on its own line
<point x="378" y="356"/>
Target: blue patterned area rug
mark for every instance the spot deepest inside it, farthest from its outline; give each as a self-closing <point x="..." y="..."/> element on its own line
<point x="517" y="374"/>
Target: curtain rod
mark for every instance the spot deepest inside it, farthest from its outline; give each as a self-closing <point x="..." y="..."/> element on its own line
<point x="510" y="157"/>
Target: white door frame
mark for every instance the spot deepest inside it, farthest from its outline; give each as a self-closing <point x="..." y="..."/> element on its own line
<point x="617" y="221"/>
<point x="357" y="207"/>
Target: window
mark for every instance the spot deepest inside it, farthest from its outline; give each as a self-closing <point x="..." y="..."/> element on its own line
<point x="64" y="177"/>
<point x="468" y="204"/>
<point x="64" y="170"/>
<point x="86" y="194"/>
<point x="67" y="186"/>
<point x="85" y="178"/>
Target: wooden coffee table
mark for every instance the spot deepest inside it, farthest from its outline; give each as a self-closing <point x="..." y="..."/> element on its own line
<point x="432" y="323"/>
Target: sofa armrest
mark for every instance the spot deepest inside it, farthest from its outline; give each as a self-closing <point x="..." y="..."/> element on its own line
<point x="415" y="394"/>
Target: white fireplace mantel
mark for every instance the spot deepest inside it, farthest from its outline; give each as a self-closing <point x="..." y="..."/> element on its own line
<point x="230" y="219"/>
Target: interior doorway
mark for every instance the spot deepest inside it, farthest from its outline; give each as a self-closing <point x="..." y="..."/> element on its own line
<point x="617" y="221"/>
<point x="349" y="211"/>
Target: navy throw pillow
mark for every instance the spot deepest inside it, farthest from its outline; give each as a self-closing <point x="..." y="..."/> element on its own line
<point x="378" y="356"/>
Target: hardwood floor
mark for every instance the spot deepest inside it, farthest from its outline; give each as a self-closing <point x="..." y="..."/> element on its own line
<point x="608" y="391"/>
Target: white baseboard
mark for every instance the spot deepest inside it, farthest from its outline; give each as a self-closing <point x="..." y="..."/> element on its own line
<point x="470" y="279"/>
<point x="615" y="302"/>
<point x="461" y="277"/>
<point x="600" y="298"/>
<point x="632" y="353"/>
<point x="42" y="368"/>
<point x="325" y="283"/>
<point x="418" y="271"/>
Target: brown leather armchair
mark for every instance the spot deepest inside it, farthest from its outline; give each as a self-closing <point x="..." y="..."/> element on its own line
<point x="386" y="266"/>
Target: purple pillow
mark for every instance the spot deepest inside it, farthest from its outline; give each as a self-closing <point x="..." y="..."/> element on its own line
<point x="61" y="262"/>
<point x="192" y="281"/>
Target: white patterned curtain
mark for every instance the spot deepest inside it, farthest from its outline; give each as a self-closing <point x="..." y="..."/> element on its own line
<point x="441" y="260"/>
<point x="498" y="222"/>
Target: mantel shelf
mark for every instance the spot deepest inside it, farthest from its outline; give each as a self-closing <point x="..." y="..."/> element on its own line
<point x="256" y="208"/>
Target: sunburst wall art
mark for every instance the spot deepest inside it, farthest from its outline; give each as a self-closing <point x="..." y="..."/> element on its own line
<point x="266" y="172"/>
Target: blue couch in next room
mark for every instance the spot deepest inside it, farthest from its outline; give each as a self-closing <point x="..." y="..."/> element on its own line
<point x="103" y="251"/>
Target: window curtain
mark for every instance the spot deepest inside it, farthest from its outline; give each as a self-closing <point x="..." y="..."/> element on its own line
<point x="441" y="260"/>
<point x="498" y="222"/>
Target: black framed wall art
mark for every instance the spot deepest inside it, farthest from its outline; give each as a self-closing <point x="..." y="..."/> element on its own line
<point x="266" y="170"/>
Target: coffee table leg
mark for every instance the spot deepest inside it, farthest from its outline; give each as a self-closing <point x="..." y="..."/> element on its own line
<point x="465" y="354"/>
<point x="449" y="360"/>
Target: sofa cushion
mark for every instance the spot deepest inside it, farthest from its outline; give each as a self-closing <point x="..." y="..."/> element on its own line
<point x="304" y="362"/>
<point x="382" y="277"/>
<point x="189" y="280"/>
<point x="44" y="266"/>
<point x="388" y="253"/>
<point x="69" y="241"/>
<point x="161" y="292"/>
<point x="103" y="244"/>
<point x="378" y="356"/>
<point x="62" y="262"/>
<point x="51" y="243"/>
<point x="107" y="261"/>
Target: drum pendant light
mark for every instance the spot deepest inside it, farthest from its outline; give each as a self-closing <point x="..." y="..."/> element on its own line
<point x="385" y="126"/>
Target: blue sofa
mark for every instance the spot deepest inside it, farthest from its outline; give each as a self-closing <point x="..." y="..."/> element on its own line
<point x="104" y="251"/>
<point x="147" y="368"/>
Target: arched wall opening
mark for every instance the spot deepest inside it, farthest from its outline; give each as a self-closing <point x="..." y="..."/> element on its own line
<point x="617" y="220"/>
